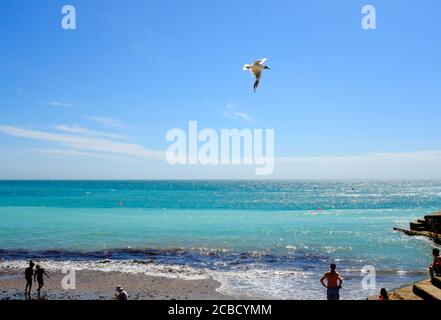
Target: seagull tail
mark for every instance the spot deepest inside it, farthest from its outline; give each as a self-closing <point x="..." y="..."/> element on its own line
<point x="256" y="85"/>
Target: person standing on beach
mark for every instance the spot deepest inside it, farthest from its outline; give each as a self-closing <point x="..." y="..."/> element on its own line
<point x="333" y="283"/>
<point x="29" y="272"/>
<point x="39" y="273"/>
<point x="121" y="294"/>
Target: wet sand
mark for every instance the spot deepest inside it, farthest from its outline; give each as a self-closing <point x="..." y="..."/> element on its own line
<point x="99" y="285"/>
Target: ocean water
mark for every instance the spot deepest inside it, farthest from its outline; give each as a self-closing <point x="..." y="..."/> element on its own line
<point x="270" y="239"/>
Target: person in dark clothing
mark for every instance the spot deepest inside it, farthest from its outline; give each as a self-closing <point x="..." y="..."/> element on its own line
<point x="29" y="272"/>
<point x="39" y="273"/>
<point x="435" y="267"/>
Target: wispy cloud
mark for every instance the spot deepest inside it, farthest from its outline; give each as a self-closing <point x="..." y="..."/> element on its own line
<point x="107" y="121"/>
<point x="84" y="131"/>
<point x="73" y="153"/>
<point x="59" y="104"/>
<point x="84" y="143"/>
<point x="231" y="112"/>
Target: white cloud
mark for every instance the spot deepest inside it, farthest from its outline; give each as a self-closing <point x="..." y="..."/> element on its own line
<point x="107" y="121"/>
<point x="80" y="142"/>
<point x="231" y="113"/>
<point x="59" y="104"/>
<point x="73" y="153"/>
<point x="83" y="131"/>
<point x="83" y="143"/>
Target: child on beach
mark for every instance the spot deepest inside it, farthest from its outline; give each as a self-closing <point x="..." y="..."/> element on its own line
<point x="333" y="283"/>
<point x="435" y="267"/>
<point x="121" y="294"/>
<point x="29" y="272"/>
<point x="39" y="273"/>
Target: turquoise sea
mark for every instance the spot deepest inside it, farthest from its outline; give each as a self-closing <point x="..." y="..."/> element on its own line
<point x="269" y="239"/>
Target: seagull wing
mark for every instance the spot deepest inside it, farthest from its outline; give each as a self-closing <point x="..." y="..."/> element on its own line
<point x="246" y="67"/>
<point x="261" y="61"/>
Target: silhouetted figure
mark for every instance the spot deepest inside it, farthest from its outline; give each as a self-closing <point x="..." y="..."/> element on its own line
<point x="435" y="267"/>
<point x="29" y="272"/>
<point x="39" y="274"/>
<point x="383" y="295"/>
<point x="121" y="294"/>
<point x="333" y="283"/>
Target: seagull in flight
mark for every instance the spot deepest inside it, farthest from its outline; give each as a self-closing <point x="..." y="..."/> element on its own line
<point x="256" y="69"/>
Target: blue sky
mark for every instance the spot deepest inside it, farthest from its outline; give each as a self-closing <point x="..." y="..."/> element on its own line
<point x="344" y="102"/>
